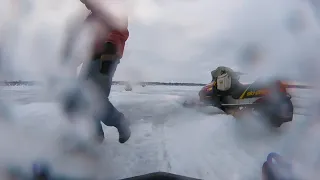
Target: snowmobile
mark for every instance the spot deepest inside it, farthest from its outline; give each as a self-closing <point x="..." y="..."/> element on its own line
<point x="266" y="99"/>
<point x="43" y="171"/>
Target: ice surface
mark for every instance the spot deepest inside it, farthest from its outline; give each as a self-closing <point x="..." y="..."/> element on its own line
<point x="165" y="137"/>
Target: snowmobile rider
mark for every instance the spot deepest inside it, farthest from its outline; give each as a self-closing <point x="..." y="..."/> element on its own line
<point x="226" y="81"/>
<point x="107" y="51"/>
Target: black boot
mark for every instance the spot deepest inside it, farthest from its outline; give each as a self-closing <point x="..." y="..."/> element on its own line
<point x="123" y="129"/>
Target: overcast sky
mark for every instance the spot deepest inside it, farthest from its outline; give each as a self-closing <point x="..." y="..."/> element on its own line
<point x="183" y="40"/>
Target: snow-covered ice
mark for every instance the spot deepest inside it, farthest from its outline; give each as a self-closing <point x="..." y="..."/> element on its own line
<point x="165" y="137"/>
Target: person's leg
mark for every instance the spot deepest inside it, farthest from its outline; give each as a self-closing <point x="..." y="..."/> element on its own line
<point x="101" y="73"/>
<point x="110" y="116"/>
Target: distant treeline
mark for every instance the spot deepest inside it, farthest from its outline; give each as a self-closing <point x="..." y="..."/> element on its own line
<point x="18" y="83"/>
<point x="158" y="83"/>
<point x="31" y="83"/>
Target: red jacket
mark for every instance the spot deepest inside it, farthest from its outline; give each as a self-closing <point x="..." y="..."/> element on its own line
<point x="105" y="34"/>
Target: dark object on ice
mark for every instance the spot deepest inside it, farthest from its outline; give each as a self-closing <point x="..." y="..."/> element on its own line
<point x="40" y="171"/>
<point x="276" y="168"/>
<point x="269" y="99"/>
<point x="160" y="176"/>
<point x="128" y="87"/>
